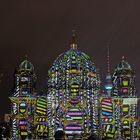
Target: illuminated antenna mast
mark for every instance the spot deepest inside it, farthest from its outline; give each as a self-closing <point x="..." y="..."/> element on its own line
<point x="108" y="85"/>
<point x="108" y="61"/>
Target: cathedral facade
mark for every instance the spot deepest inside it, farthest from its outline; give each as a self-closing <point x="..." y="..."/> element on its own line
<point x="74" y="101"/>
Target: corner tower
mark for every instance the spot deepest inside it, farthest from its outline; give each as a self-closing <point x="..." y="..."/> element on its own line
<point x="124" y="80"/>
<point x="22" y="101"/>
<point x="25" y="80"/>
<point x="125" y="99"/>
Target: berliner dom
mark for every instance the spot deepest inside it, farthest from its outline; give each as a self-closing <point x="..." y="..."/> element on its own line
<point x="74" y="101"/>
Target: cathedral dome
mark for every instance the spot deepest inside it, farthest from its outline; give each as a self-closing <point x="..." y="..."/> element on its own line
<point x="72" y="54"/>
<point x="73" y="59"/>
<point x="124" y="65"/>
<point x="26" y="65"/>
<point x="123" y="68"/>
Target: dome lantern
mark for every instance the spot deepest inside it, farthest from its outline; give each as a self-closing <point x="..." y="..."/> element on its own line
<point x="26" y="65"/>
<point x="73" y="44"/>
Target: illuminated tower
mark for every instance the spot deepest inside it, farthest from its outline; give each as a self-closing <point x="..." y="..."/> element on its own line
<point x="125" y="100"/>
<point x="73" y="94"/>
<point x="107" y="122"/>
<point x="22" y="101"/>
<point x="108" y="86"/>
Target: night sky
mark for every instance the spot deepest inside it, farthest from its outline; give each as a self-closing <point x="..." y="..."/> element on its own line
<point x="42" y="29"/>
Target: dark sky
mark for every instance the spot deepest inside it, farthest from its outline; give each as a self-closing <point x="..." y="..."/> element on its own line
<point x="42" y="30"/>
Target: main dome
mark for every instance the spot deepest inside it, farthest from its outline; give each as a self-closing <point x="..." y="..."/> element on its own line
<point x="73" y="57"/>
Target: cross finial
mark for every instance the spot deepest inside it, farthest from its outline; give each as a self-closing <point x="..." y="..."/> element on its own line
<point x="26" y="56"/>
<point x="73" y="43"/>
<point x="123" y="58"/>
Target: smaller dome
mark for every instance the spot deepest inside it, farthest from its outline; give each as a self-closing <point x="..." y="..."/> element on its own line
<point x="124" y="65"/>
<point x="26" y="65"/>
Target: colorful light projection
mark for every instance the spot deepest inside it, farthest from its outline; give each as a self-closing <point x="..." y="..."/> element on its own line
<point x="107" y="107"/>
<point x="74" y="121"/>
<point x="126" y="128"/>
<point x="22" y="126"/>
<point x="125" y="106"/>
<point x="73" y="89"/>
<point x="123" y="80"/>
<point x="40" y="117"/>
<point x="22" y="101"/>
<point x="74" y="115"/>
<point x="107" y="117"/>
<point x="22" y="118"/>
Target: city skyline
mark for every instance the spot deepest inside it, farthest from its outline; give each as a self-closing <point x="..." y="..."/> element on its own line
<point x="43" y="31"/>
